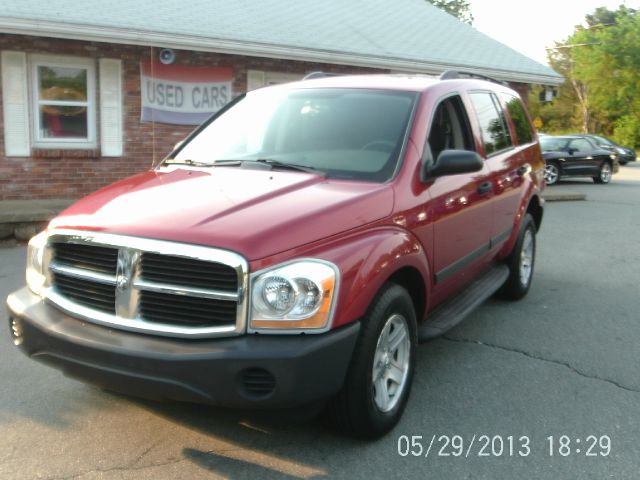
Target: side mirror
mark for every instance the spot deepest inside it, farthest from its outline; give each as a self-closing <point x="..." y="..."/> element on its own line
<point x="452" y="162"/>
<point x="571" y="151"/>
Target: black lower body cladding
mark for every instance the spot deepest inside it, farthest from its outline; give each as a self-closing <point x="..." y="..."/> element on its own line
<point x="249" y="371"/>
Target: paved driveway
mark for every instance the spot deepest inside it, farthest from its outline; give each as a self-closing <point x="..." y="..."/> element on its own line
<point x="562" y="362"/>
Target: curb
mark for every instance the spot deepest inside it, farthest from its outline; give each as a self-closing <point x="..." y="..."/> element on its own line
<point x="564" y="197"/>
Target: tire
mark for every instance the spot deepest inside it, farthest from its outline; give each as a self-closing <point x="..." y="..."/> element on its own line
<point x="551" y="173"/>
<point x="366" y="407"/>
<point x="521" y="262"/>
<point x="605" y="174"/>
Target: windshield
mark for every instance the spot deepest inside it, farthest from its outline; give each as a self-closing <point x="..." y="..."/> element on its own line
<point x="553" y="143"/>
<point x="602" y="140"/>
<point x="341" y="133"/>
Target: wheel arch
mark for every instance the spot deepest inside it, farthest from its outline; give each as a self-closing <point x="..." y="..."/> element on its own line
<point x="370" y="260"/>
<point x="536" y="210"/>
<point x="411" y="280"/>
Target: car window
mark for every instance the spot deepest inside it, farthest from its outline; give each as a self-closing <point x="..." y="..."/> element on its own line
<point x="602" y="141"/>
<point x="580" y="145"/>
<point x="343" y="133"/>
<point x="495" y="134"/>
<point x="553" y="144"/>
<point x="450" y="127"/>
<point x="524" y="131"/>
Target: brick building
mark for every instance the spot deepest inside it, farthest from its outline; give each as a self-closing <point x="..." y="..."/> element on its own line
<point x="72" y="106"/>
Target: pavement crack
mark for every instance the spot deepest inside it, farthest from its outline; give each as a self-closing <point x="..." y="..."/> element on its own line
<point x="542" y="359"/>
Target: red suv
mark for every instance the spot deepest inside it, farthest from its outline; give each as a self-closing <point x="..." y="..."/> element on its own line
<point x="294" y="249"/>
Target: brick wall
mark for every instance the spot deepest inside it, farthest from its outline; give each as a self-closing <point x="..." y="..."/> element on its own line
<point x="72" y="174"/>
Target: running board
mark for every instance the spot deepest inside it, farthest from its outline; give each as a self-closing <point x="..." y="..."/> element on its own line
<point x="452" y="312"/>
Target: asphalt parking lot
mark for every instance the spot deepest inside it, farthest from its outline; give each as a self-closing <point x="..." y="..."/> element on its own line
<point x="556" y="372"/>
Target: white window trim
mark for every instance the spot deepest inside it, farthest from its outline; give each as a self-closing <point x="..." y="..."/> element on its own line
<point x="61" y="61"/>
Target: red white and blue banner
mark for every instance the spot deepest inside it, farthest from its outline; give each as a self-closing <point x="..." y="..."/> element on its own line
<point x="183" y="95"/>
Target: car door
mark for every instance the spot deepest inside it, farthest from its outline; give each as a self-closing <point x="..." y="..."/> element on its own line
<point x="461" y="204"/>
<point x="509" y="163"/>
<point x="580" y="159"/>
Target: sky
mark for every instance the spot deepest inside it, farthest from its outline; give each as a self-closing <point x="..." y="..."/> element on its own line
<point x="530" y="26"/>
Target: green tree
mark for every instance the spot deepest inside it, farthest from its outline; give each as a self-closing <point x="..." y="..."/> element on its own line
<point x="458" y="8"/>
<point x="601" y="65"/>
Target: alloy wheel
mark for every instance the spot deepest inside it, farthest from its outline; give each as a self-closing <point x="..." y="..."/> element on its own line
<point x="391" y="363"/>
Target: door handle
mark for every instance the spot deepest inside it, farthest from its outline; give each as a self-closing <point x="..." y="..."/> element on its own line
<point x="485" y="188"/>
<point x="523" y="170"/>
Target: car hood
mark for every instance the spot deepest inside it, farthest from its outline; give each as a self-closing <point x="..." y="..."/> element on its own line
<point x="256" y="213"/>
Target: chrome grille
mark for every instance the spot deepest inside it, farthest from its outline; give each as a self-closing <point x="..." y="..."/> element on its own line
<point x="87" y="257"/>
<point x="90" y="294"/>
<point x="144" y="285"/>
<point x="188" y="271"/>
<point x="164" y="307"/>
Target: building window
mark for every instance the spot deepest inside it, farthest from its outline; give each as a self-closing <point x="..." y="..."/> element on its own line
<point x="63" y="93"/>
<point x="259" y="78"/>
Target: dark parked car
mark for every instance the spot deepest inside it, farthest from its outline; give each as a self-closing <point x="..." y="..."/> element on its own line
<point x="625" y="154"/>
<point x="576" y="156"/>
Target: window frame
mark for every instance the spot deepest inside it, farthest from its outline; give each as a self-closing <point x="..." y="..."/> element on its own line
<point x="458" y="104"/>
<point x="38" y="141"/>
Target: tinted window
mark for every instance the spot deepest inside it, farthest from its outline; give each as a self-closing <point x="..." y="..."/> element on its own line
<point x="553" y="143"/>
<point x="602" y="140"/>
<point x="495" y="134"/>
<point x="580" y="145"/>
<point x="519" y="118"/>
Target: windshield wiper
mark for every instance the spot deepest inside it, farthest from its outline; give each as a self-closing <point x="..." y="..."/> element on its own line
<point x="268" y="161"/>
<point x="186" y="161"/>
<point x="291" y="166"/>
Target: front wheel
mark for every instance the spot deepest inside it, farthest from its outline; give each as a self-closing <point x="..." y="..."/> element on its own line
<point x="605" y="174"/>
<point x="521" y="262"/>
<point x="379" y="380"/>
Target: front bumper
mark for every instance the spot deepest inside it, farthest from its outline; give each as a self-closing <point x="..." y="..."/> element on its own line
<point x="249" y="371"/>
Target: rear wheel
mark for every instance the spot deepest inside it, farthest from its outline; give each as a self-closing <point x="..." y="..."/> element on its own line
<point x="605" y="173"/>
<point x="379" y="380"/>
<point x="521" y="262"/>
<point x="551" y="173"/>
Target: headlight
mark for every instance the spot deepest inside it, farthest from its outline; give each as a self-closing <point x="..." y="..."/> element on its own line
<point x="35" y="267"/>
<point x="621" y="151"/>
<point x="613" y="156"/>
<point x="297" y="296"/>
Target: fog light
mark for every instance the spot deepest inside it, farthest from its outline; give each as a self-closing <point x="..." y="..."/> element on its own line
<point x="16" y="332"/>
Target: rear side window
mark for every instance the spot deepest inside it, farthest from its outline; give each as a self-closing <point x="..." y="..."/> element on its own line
<point x="495" y="134"/>
<point x="519" y="118"/>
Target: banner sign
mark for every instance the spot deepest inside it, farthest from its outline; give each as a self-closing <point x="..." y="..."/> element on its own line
<point x="183" y="95"/>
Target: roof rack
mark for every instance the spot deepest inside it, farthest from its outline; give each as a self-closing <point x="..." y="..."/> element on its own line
<point x="453" y="74"/>
<point x="320" y="74"/>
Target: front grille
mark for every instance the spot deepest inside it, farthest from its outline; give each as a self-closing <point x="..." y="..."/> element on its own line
<point x="188" y="272"/>
<point x="147" y="285"/>
<point x="86" y="257"/>
<point x="95" y="295"/>
<point x="169" y="308"/>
